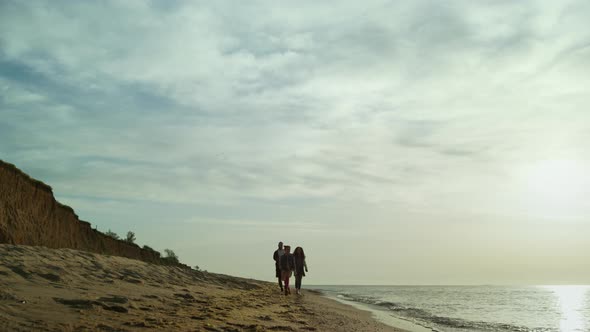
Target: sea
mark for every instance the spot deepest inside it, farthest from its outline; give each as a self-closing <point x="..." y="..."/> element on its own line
<point x="472" y="308"/>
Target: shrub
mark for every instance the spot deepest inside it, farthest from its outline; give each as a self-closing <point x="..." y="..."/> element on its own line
<point x="112" y="234"/>
<point x="130" y="237"/>
<point x="171" y="257"/>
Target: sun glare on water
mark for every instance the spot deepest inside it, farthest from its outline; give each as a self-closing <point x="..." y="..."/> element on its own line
<point x="572" y="301"/>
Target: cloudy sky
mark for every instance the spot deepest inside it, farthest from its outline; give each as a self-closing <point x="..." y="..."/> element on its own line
<point x="398" y="142"/>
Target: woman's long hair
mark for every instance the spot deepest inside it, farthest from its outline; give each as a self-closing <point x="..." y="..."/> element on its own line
<point x="299" y="252"/>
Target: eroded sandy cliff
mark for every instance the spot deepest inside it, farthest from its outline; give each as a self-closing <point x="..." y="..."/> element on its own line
<point x="30" y="215"/>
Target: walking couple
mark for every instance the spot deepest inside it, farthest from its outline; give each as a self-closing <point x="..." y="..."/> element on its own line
<point x="286" y="264"/>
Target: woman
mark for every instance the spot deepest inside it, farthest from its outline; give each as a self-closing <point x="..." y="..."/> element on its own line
<point x="287" y="264"/>
<point x="300" y="266"/>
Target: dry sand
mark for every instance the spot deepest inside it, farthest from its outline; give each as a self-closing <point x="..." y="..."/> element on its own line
<point x="45" y="289"/>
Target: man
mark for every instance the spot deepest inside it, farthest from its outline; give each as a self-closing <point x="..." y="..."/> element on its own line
<point x="287" y="264"/>
<point x="277" y="258"/>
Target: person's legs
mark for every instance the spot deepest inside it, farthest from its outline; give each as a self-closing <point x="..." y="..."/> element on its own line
<point x="287" y="290"/>
<point x="279" y="277"/>
<point x="298" y="282"/>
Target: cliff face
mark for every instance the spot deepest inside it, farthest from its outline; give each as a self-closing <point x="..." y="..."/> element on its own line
<point x="30" y="215"/>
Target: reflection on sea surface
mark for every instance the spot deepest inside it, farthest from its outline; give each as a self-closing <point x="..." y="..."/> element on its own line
<point x="477" y="308"/>
<point x="572" y="303"/>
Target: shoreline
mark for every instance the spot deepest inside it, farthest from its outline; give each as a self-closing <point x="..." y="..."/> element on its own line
<point x="382" y="316"/>
<point x="377" y="314"/>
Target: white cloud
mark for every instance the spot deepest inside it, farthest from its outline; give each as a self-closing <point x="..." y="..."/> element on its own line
<point x="414" y="105"/>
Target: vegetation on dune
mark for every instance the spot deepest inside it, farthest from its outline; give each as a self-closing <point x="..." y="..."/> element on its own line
<point x="112" y="234"/>
<point x="170" y="257"/>
<point x="130" y="237"/>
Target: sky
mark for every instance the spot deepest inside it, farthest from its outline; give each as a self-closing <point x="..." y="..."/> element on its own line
<point x="397" y="142"/>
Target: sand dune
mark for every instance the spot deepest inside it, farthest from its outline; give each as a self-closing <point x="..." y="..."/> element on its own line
<point x="45" y="289"/>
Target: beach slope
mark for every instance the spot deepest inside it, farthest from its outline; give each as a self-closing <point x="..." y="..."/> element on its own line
<point x="44" y="289"/>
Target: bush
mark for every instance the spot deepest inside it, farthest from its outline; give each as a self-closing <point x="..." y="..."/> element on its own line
<point x="112" y="234"/>
<point x="130" y="237"/>
<point x="171" y="257"/>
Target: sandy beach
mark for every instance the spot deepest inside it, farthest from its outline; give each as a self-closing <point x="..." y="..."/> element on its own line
<point x="45" y="289"/>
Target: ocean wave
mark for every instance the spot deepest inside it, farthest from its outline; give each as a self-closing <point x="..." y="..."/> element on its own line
<point x="429" y="320"/>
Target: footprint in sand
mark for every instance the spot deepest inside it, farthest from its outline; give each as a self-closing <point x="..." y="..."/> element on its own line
<point x="107" y="328"/>
<point x="116" y="308"/>
<point x="139" y="324"/>
<point x="7" y="296"/>
<point x="266" y="318"/>
<point x="76" y="303"/>
<point x="212" y="328"/>
<point x="55" y="268"/>
<point x="114" y="299"/>
<point x="186" y="297"/>
<point x="151" y="296"/>
<point x="89" y="304"/>
<point x="281" y="328"/>
<point x="131" y="280"/>
<point x="20" y="271"/>
<point x="50" y="277"/>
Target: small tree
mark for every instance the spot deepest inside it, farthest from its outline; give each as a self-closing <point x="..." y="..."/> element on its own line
<point x="112" y="234"/>
<point x="130" y="237"/>
<point x="171" y="257"/>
